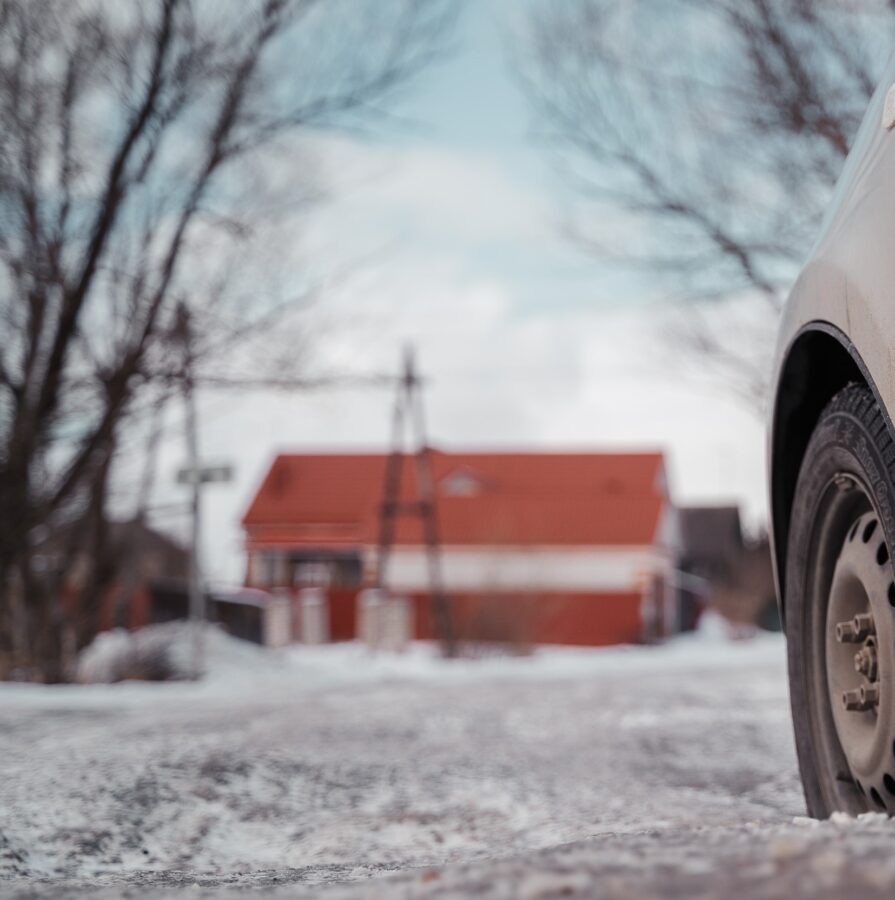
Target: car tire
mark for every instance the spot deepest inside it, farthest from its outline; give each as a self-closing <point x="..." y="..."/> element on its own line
<point x="840" y="610"/>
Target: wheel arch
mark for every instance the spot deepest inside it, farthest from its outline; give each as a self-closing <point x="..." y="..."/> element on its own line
<point x="818" y="363"/>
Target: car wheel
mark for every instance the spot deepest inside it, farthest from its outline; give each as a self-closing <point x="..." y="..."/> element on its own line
<point x="840" y="610"/>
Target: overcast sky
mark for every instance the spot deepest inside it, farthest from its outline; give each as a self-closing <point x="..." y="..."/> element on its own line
<point x="528" y="343"/>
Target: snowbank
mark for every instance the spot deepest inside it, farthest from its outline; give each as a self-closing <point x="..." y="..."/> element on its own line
<point x="235" y="667"/>
<point x="173" y="651"/>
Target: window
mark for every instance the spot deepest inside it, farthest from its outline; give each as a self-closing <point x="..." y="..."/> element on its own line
<point x="460" y="484"/>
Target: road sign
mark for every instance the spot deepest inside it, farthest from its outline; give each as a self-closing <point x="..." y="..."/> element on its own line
<point x="207" y="474"/>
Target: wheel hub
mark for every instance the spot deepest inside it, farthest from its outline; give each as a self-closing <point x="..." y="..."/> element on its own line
<point x="866" y="662"/>
<point x="860" y="643"/>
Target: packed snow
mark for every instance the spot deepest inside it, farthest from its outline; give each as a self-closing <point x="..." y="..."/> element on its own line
<point x="617" y="772"/>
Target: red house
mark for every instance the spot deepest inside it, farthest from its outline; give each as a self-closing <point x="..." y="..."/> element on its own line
<point x="574" y="548"/>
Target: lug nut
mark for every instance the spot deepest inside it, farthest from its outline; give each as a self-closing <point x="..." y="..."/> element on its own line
<point x="870" y="695"/>
<point x="851" y="700"/>
<point x="861" y="699"/>
<point x="863" y="625"/>
<point x="859" y="628"/>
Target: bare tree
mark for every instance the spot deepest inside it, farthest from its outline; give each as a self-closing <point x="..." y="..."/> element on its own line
<point x="702" y="140"/>
<point x="144" y="148"/>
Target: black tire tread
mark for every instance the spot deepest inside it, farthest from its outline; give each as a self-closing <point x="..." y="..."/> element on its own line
<point x="856" y="402"/>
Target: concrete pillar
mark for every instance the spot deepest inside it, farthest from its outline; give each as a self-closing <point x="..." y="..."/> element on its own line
<point x="314" y="618"/>
<point x="383" y="622"/>
<point x="397" y="624"/>
<point x="277" y="623"/>
<point x="369" y="605"/>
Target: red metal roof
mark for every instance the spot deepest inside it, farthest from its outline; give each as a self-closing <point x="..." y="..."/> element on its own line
<point x="498" y="499"/>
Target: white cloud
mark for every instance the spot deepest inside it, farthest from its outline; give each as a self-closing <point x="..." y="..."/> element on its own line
<point x="461" y="196"/>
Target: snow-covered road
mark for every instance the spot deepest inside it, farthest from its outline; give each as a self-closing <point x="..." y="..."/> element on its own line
<point x="616" y="773"/>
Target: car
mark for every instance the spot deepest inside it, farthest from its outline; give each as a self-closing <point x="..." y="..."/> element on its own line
<point x="832" y="484"/>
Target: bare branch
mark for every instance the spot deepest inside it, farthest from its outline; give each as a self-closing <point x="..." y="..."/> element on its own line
<point x="140" y="144"/>
<point x="711" y="131"/>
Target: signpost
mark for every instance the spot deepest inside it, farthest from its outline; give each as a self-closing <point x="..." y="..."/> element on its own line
<point x="195" y="476"/>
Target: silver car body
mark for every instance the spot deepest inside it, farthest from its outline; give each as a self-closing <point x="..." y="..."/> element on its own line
<point x="839" y="322"/>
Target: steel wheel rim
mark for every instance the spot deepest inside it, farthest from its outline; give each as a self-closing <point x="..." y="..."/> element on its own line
<point x="859" y="646"/>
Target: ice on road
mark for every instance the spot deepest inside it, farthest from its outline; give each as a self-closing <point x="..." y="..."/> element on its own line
<point x="665" y="770"/>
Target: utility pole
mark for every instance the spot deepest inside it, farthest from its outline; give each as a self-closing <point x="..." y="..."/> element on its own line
<point x="409" y="405"/>
<point x="183" y="328"/>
